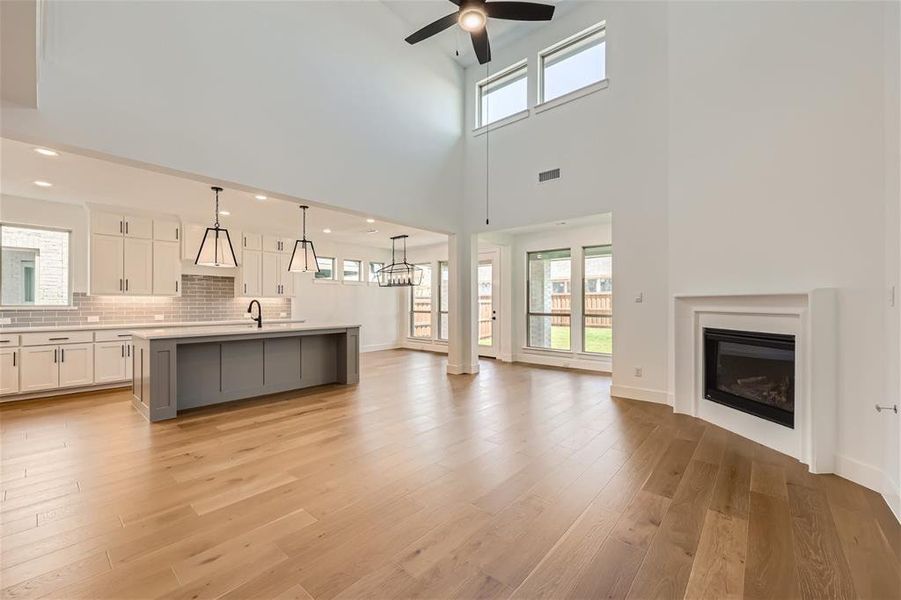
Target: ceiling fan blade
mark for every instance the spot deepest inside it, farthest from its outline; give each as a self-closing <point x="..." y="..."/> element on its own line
<point x="480" y="45"/>
<point x="519" y="11"/>
<point x="433" y="28"/>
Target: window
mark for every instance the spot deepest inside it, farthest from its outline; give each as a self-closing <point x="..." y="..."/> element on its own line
<point x="597" y="300"/>
<point x="421" y="305"/>
<point x="443" y="297"/>
<point x="353" y="270"/>
<point x="326" y="268"/>
<point x="374" y="268"/>
<point x="549" y="311"/>
<point x="572" y="64"/>
<point x="34" y="264"/>
<point x="502" y="95"/>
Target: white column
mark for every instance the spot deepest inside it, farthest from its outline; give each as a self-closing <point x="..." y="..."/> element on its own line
<point x="463" y="256"/>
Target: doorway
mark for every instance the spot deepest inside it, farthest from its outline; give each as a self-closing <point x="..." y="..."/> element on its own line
<point x="488" y="295"/>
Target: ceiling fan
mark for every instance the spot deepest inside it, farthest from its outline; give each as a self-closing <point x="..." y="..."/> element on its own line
<point x="473" y="15"/>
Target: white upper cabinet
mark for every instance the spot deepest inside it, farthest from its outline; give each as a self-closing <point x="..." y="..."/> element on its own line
<point x="286" y="277"/>
<point x="287" y="245"/>
<point x="138" y="272"/>
<point x="250" y="282"/>
<point x="166" y="269"/>
<point x="107" y="269"/>
<point x="252" y="241"/>
<point x="271" y="283"/>
<point x="166" y="231"/>
<point x="138" y="227"/>
<point x="271" y="243"/>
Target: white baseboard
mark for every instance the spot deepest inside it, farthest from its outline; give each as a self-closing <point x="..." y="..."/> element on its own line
<point x="377" y="347"/>
<point x="860" y="473"/>
<point x="636" y="393"/>
<point x="456" y="369"/>
<point x="566" y="361"/>
<point x="892" y="494"/>
<point x="424" y="345"/>
<point x="67" y="391"/>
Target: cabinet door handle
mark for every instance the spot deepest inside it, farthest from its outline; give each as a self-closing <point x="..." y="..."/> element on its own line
<point x="126" y="284"/>
<point x="58" y="339"/>
<point x="123" y="350"/>
<point x="126" y="227"/>
<point x="176" y="285"/>
<point x="128" y="335"/>
<point x="128" y="350"/>
<point x="54" y="355"/>
<point x="62" y="355"/>
<point x="120" y="227"/>
<point x="245" y="288"/>
<point x="176" y="234"/>
<point x="120" y="284"/>
<point x="14" y="358"/>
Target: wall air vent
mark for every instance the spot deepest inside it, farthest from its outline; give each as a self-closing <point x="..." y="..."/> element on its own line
<point x="548" y="175"/>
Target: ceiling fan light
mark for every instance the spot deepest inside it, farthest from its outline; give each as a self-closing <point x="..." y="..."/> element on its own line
<point x="472" y="19"/>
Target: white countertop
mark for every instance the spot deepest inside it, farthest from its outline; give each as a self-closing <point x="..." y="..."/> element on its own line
<point x="195" y="332"/>
<point x="155" y="325"/>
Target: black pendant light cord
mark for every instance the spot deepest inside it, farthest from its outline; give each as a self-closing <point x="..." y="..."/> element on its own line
<point x="487" y="146"/>
<point x="217" y="206"/>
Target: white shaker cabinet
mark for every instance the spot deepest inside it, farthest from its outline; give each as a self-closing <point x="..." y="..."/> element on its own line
<point x="39" y="368"/>
<point x="9" y="370"/>
<point x="76" y="365"/>
<point x="107" y="269"/>
<point x="166" y="269"/>
<point x="110" y="362"/>
<point x="250" y="282"/>
<point x="138" y="262"/>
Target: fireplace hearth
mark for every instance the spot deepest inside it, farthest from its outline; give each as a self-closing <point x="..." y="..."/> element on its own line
<point x="752" y="372"/>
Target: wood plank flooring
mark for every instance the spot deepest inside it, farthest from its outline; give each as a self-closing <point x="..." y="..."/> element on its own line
<point x="521" y="482"/>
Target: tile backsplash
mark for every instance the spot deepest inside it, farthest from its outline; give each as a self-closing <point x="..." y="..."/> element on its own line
<point x="203" y="298"/>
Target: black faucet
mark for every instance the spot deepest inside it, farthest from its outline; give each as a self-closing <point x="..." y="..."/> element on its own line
<point x="259" y="317"/>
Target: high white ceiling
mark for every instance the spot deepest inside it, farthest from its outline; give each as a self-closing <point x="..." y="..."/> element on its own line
<point x="79" y="179"/>
<point x="419" y="13"/>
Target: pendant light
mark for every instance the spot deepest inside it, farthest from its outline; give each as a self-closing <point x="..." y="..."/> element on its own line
<point x="399" y="274"/>
<point x="216" y="249"/>
<point x="303" y="259"/>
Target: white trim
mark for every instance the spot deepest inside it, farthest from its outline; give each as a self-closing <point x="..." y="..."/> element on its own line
<point x="892" y="495"/>
<point x="40" y="307"/>
<point x="587" y="90"/>
<point x="487" y="81"/>
<point x="426" y="344"/>
<point x="328" y="281"/>
<point x="351" y="282"/>
<point x="455" y="369"/>
<point x="636" y="393"/>
<point x="517" y="116"/>
<point x="379" y="347"/>
<point x="562" y="44"/>
<point x="859" y="472"/>
<point x="565" y="360"/>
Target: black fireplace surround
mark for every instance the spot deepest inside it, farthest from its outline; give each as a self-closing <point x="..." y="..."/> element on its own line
<point x="752" y="372"/>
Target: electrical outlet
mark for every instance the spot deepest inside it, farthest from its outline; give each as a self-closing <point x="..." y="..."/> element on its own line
<point x="93" y="319"/>
<point x="283" y="314"/>
<point x="638" y="371"/>
<point x="639" y="298"/>
<point x="6" y="321"/>
<point x="158" y="317"/>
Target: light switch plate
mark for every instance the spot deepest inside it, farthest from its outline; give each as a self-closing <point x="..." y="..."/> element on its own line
<point x="6" y="321"/>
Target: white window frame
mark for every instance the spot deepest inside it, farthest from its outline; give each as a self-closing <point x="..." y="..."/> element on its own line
<point x="443" y="336"/>
<point x="495" y="81"/>
<point x="69" y="292"/>
<point x="599" y="29"/>
<point x="529" y="313"/>
<point x="372" y="278"/>
<point x="334" y="277"/>
<point x="431" y="312"/>
<point x="585" y="313"/>
<point x="359" y="270"/>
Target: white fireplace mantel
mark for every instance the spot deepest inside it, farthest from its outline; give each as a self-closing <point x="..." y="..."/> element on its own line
<point x="812" y="318"/>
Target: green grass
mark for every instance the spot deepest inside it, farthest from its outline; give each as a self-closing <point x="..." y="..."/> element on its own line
<point x="597" y="339"/>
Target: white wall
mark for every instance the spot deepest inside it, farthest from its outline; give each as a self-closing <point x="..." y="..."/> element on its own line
<point x="732" y="162"/>
<point x="611" y="149"/>
<point x="374" y="308"/>
<point x="242" y="92"/>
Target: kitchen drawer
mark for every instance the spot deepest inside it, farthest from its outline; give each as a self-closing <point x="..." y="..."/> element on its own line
<point x="57" y="337"/>
<point x="112" y="335"/>
<point x="9" y="340"/>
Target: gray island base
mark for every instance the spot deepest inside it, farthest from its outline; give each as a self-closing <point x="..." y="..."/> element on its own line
<point x="178" y="369"/>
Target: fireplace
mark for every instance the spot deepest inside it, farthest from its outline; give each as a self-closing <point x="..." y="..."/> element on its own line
<point x="752" y="372"/>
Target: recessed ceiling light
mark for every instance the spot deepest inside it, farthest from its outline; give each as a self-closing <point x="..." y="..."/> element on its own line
<point x="370" y="220"/>
<point x="260" y="197"/>
<point x="43" y="183"/>
<point x="224" y="213"/>
<point x="372" y="231"/>
<point x="326" y="230"/>
<point x="46" y="152"/>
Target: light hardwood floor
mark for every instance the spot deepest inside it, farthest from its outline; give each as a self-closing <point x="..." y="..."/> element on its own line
<point x="522" y="482"/>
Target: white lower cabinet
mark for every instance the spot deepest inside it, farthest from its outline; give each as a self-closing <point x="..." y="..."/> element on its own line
<point x="39" y="369"/>
<point x="49" y="367"/>
<point x="111" y="362"/>
<point x="9" y="370"/>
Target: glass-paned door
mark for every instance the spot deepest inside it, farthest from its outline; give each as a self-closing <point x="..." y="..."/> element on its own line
<point x="488" y="305"/>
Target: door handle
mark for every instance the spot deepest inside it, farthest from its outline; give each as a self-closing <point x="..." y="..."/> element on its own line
<point x="126" y="227"/>
<point x="126" y="284"/>
<point x="54" y="355"/>
<point x="120" y="284"/>
<point x="62" y="355"/>
<point x="14" y="358"/>
<point x="58" y="339"/>
<point x="120" y="226"/>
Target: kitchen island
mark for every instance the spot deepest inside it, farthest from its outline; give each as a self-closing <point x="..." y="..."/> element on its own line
<point x="176" y="369"/>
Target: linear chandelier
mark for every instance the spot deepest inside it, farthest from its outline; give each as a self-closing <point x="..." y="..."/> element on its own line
<point x="399" y="274"/>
